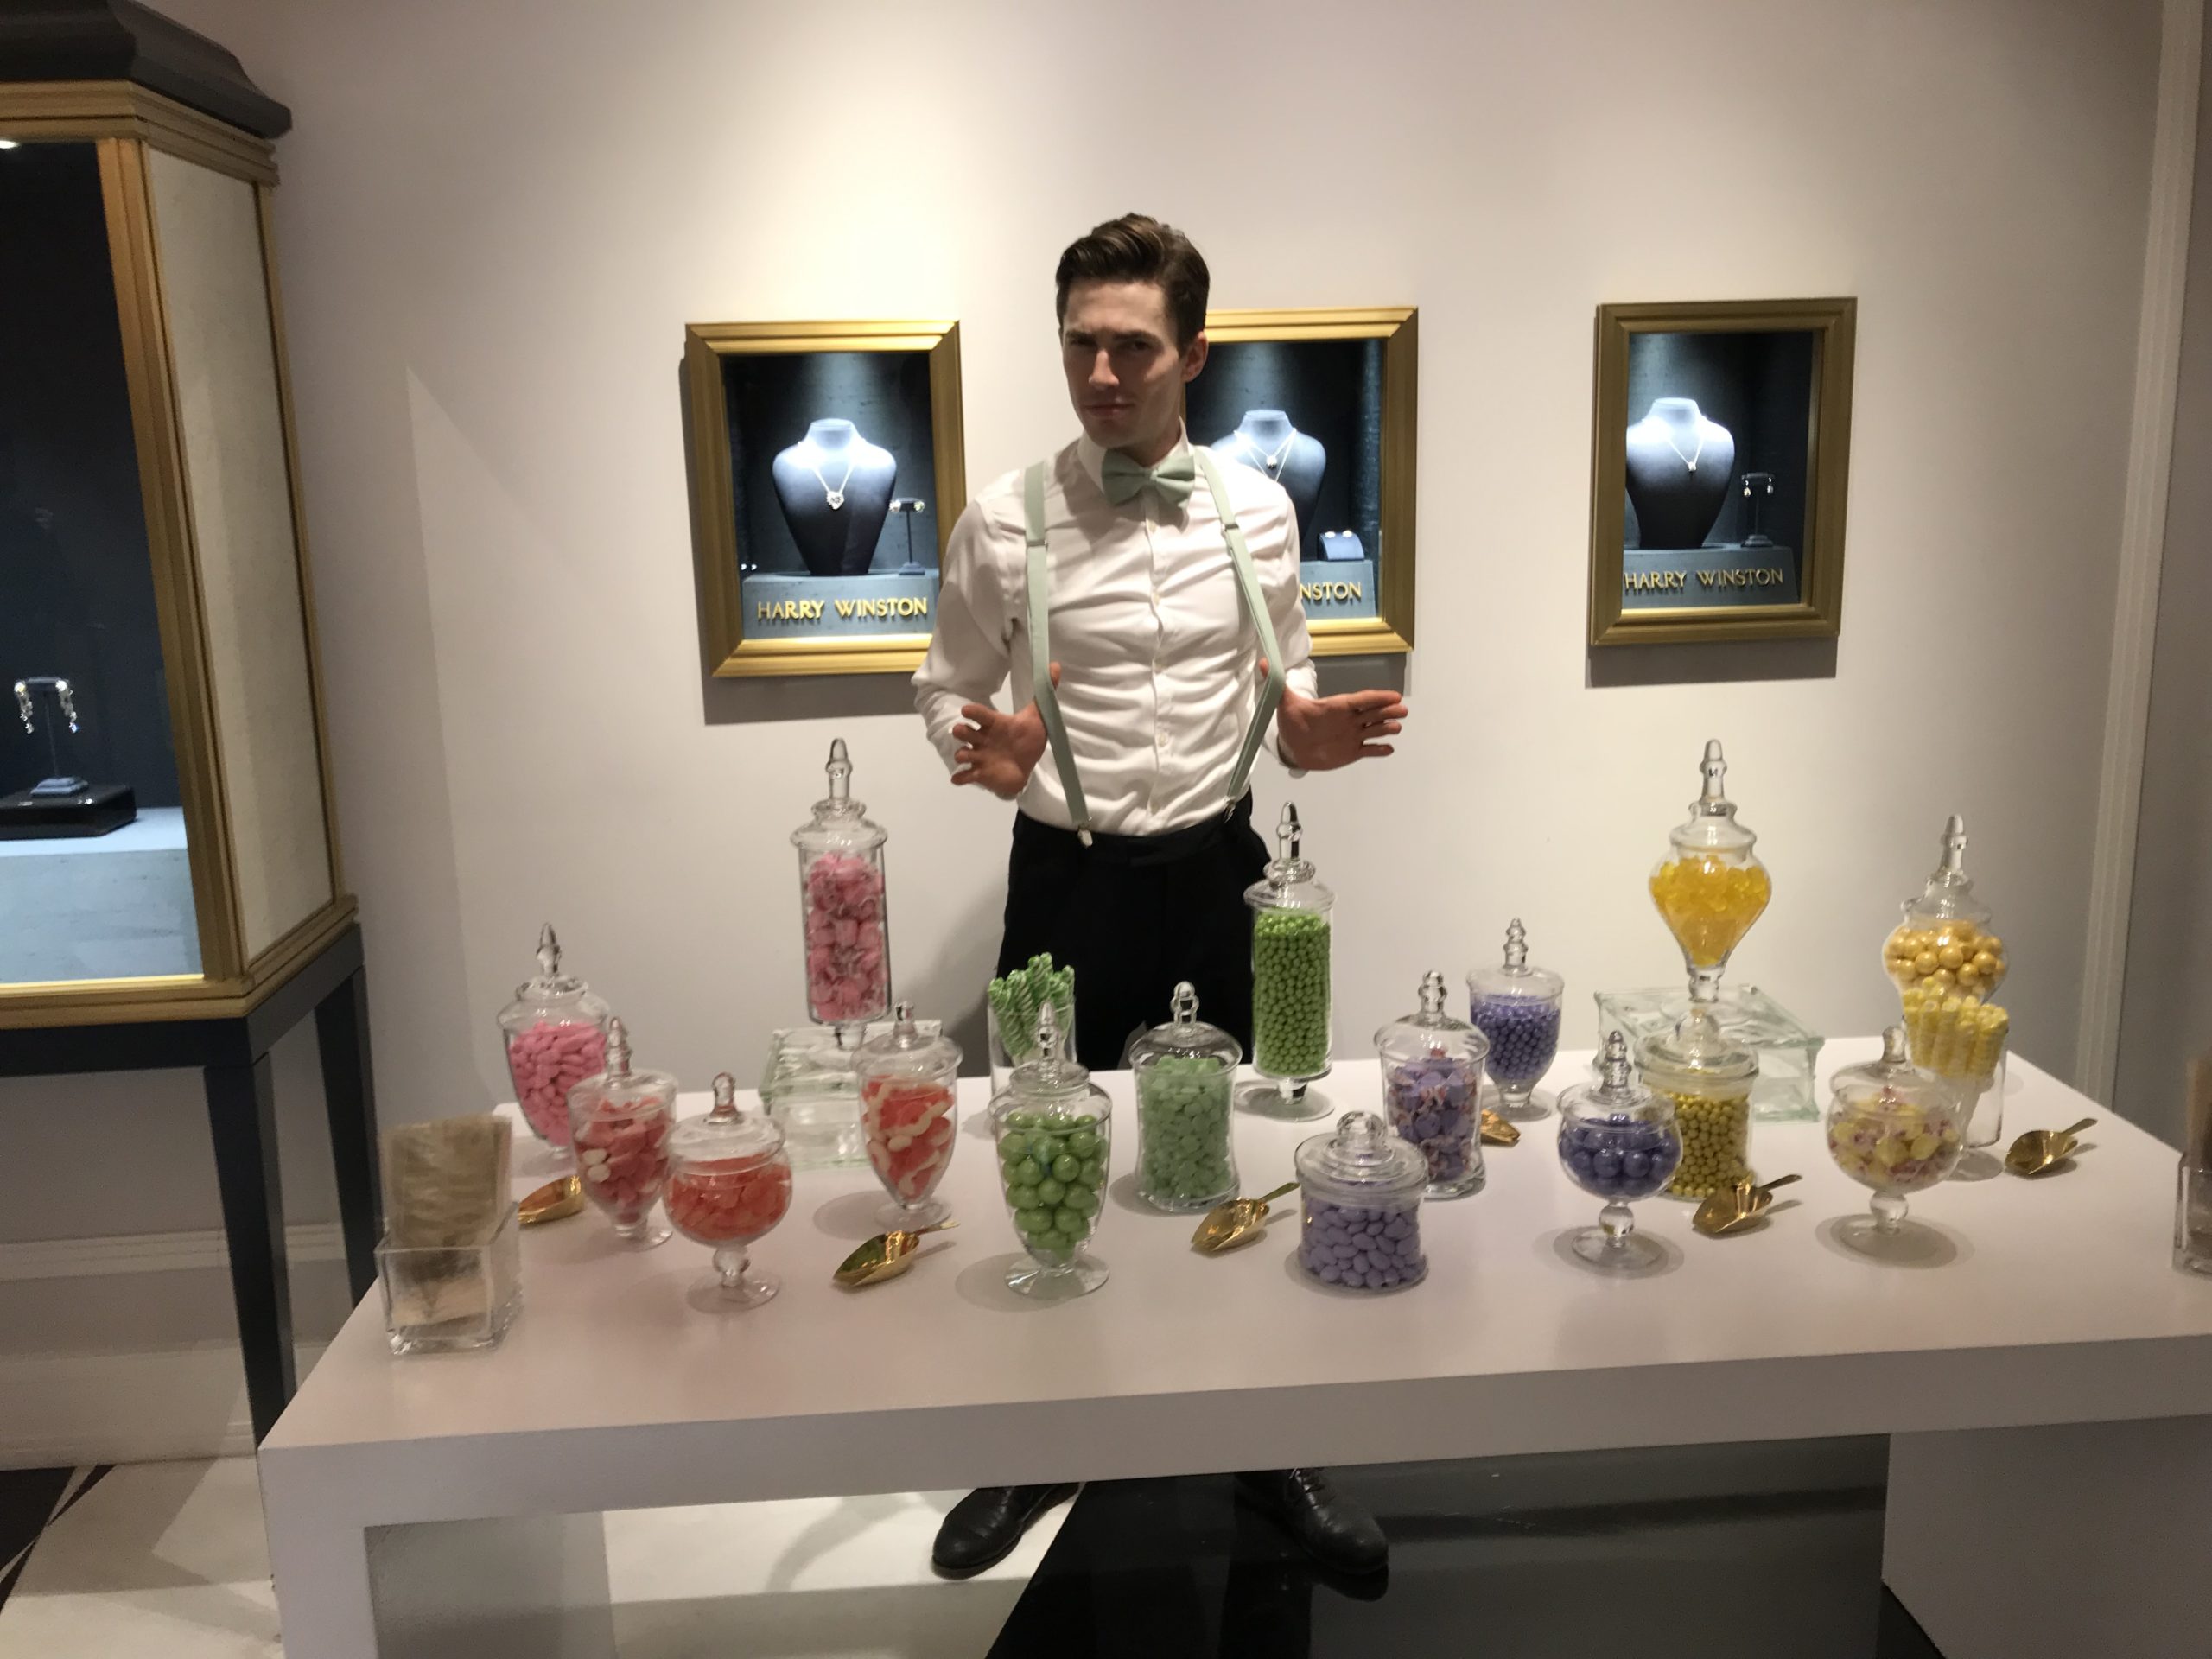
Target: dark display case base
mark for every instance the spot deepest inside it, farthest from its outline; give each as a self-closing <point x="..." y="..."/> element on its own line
<point x="95" y="811"/>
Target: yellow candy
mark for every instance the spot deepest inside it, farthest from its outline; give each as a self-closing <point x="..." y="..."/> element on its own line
<point x="1709" y="904"/>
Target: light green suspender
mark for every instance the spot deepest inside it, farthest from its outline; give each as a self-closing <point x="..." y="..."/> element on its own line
<point x="1040" y="650"/>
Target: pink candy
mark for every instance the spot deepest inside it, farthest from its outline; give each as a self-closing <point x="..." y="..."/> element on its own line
<point x="622" y="1154"/>
<point x="547" y="1060"/>
<point x="847" y="968"/>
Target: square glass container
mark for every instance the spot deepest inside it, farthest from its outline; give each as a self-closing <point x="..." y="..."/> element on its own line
<point x="448" y="1299"/>
<point x="1788" y="1049"/>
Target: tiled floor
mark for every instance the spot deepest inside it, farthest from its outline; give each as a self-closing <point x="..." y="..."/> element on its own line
<point x="1710" y="1553"/>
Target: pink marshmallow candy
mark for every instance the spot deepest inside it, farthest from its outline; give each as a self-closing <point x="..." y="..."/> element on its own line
<point x="848" y="966"/>
<point x="545" y="1061"/>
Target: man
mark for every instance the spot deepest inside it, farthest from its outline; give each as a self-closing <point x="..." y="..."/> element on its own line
<point x="1143" y="595"/>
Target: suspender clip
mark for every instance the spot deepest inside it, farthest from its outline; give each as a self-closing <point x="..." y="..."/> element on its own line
<point x="1083" y="833"/>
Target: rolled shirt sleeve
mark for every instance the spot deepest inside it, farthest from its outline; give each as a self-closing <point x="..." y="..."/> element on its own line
<point x="967" y="654"/>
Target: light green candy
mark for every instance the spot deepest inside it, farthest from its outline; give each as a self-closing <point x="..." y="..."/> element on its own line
<point x="1053" y="1170"/>
<point x="1182" y="1115"/>
<point x="1290" y="992"/>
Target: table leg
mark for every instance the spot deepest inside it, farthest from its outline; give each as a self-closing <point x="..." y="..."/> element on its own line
<point x="242" y="1117"/>
<point x="2055" y="1541"/>
<point x="341" y="1030"/>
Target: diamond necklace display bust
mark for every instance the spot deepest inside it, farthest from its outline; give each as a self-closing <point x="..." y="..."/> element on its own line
<point x="1679" y="467"/>
<point x="835" y="488"/>
<point x="1266" y="441"/>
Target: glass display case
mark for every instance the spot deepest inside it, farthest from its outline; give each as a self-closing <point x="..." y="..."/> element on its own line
<point x="165" y="830"/>
<point x="1788" y="1050"/>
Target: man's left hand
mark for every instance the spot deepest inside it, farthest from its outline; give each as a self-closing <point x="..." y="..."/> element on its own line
<point x="1322" y="734"/>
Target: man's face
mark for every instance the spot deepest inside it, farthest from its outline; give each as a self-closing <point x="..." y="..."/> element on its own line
<point x="1125" y="375"/>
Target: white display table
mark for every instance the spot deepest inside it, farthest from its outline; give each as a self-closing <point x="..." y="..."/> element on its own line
<point x="2058" y="1307"/>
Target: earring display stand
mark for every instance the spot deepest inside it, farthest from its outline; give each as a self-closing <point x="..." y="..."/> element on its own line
<point x="61" y="804"/>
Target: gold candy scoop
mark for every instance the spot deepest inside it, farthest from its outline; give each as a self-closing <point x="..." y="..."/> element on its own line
<point x="1496" y="1132"/>
<point x="1732" y="1208"/>
<point x="2039" y="1151"/>
<point x="551" y="1201"/>
<point x="1229" y="1224"/>
<point x="884" y="1256"/>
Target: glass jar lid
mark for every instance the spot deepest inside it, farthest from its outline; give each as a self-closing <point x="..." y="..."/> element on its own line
<point x="1186" y="1036"/>
<point x="1430" y="1030"/>
<point x="725" y="1134"/>
<point x="1291" y="882"/>
<point x="1363" y="1154"/>
<point x="1892" y="1086"/>
<point x="1712" y="826"/>
<point x="1516" y="975"/>
<point x="1616" y="1089"/>
<point x="622" y="1084"/>
<point x="1698" y="1051"/>
<point x="906" y="1050"/>
<point x="840" y="823"/>
<point x="552" y="995"/>
<point x="1949" y="894"/>
<point x="1051" y="1077"/>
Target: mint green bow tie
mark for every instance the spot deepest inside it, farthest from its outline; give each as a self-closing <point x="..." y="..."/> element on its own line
<point x="1172" y="480"/>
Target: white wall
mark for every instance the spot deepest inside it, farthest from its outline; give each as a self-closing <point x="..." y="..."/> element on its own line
<point x="2166" y="1007"/>
<point x="496" y="219"/>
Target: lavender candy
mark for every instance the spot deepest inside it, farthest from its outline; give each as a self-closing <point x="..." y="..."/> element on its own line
<point x="1619" y="1159"/>
<point x="1523" y="1033"/>
<point x="1361" y="1249"/>
<point x="1432" y="1104"/>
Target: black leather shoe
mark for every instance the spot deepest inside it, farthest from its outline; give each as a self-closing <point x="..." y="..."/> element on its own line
<point x="984" y="1526"/>
<point x="1331" y="1528"/>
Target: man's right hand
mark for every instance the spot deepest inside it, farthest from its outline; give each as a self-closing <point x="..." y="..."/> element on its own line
<point x="999" y="750"/>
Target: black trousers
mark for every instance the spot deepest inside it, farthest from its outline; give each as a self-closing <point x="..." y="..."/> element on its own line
<point x="1134" y="914"/>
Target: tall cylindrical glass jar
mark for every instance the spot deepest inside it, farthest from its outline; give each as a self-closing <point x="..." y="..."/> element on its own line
<point x="1184" y="1071"/>
<point x="1291" y="925"/>
<point x="1432" y="1068"/>
<point x="1948" y="961"/>
<point x="842" y="904"/>
<point x="1708" y="1077"/>
<point x="555" y="1035"/>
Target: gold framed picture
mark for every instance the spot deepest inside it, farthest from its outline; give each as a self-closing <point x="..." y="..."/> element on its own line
<point x="1720" y="459"/>
<point x="1323" y="402"/>
<point x="826" y="473"/>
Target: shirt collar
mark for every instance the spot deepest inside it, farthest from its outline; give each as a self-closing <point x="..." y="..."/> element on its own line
<point x="1093" y="456"/>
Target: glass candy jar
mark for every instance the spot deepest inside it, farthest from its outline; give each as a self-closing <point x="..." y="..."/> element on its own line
<point x="1432" y="1068"/>
<point x="1945" y="943"/>
<point x="729" y="1183"/>
<point x="1184" y="1071"/>
<point x="1516" y="1006"/>
<point x="1290" y="969"/>
<point x="555" y="1035"/>
<point x="1054" y="1128"/>
<point x="1710" y="887"/>
<point x="841" y="903"/>
<point x="1896" y="1130"/>
<point x="1618" y="1141"/>
<point x="619" y="1122"/>
<point x="1360" y="1191"/>
<point x="908" y="1084"/>
<point x="1707" y="1077"/>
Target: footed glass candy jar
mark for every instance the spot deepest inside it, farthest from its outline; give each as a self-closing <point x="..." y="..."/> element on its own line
<point x="1431" y="1090"/>
<point x="619" y="1122"/>
<point x="1710" y="887"/>
<point x="1054" y="1128"/>
<point x="841" y="903"/>
<point x="554" y="1033"/>
<point x="1516" y="1006"/>
<point x="909" y="1081"/>
<point x="1360" y="1191"/>
<point x="1290" y="975"/>
<point x="1184" y="1074"/>
<point x="1892" y="1127"/>
<point x="1617" y="1142"/>
<point x="729" y="1183"/>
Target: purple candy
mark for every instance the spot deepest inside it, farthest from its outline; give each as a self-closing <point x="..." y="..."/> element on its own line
<point x="1523" y="1033"/>
<point x="1431" y="1103"/>
<point x="1623" y="1160"/>
<point x="1369" y="1249"/>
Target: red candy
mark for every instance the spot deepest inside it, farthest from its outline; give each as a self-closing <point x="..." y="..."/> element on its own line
<point x="622" y="1154"/>
<point x="848" y="970"/>
<point x="546" y="1061"/>
<point x="729" y="1200"/>
<point x="908" y="1127"/>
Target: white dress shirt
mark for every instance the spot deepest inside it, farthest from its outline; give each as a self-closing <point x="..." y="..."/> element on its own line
<point x="1159" y="664"/>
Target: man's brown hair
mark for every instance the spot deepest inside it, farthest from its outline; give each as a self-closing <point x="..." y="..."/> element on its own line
<point x="1136" y="248"/>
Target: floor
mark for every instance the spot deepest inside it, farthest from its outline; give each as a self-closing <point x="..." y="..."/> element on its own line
<point x="1709" y="1552"/>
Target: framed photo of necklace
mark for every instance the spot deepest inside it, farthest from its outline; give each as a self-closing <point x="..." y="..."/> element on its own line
<point x="1323" y="403"/>
<point x="826" y="473"/>
<point x="1721" y="456"/>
